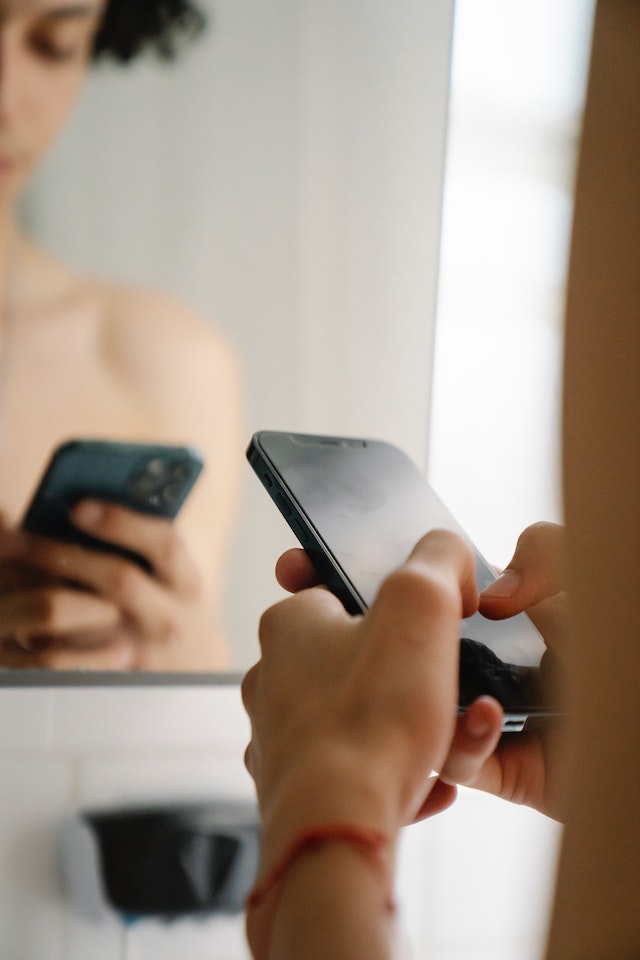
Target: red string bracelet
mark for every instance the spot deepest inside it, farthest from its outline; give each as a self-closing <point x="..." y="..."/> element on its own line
<point x="369" y="842"/>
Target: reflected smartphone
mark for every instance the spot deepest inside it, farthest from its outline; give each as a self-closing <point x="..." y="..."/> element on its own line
<point x="153" y="479"/>
<point x="358" y="507"/>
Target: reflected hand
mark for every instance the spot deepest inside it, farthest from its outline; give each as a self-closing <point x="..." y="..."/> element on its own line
<point x="161" y="617"/>
<point x="46" y="623"/>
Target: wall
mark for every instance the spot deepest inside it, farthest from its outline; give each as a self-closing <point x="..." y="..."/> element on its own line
<point x="63" y="750"/>
<point x="474" y="883"/>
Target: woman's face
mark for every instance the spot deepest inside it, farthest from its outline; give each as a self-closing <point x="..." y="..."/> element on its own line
<point x="44" y="50"/>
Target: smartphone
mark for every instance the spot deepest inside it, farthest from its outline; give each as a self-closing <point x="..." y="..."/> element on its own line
<point x="153" y="479"/>
<point x="358" y="507"/>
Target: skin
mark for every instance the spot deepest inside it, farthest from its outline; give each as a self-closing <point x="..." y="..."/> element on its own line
<point x="359" y="746"/>
<point x="533" y="582"/>
<point x="596" y="911"/>
<point x="89" y="359"/>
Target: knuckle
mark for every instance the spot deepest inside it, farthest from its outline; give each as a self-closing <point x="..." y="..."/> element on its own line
<point x="50" y="659"/>
<point x="272" y="618"/>
<point x="539" y="557"/>
<point x="268" y="620"/>
<point x="53" y="555"/>
<point x="539" y="537"/>
<point x="46" y="609"/>
<point x="248" y="758"/>
<point x="172" y="548"/>
<point x="192" y="579"/>
<point x="248" y="685"/>
<point x="169" y="626"/>
<point x="124" y="579"/>
<point x="426" y="588"/>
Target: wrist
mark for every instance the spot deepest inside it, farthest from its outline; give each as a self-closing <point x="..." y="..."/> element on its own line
<point x="352" y="863"/>
<point x="328" y="789"/>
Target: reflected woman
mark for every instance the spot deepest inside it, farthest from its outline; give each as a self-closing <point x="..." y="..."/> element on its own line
<point x="83" y="358"/>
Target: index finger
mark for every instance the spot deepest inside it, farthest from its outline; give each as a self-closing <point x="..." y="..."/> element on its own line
<point x="295" y="571"/>
<point x="413" y="638"/>
<point x="155" y="538"/>
<point x="422" y="603"/>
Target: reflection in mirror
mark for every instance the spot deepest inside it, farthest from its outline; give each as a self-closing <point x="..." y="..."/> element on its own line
<point x="277" y="188"/>
<point x="85" y="358"/>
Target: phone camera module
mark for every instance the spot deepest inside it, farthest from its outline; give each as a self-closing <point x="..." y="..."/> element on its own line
<point x="155" y="467"/>
<point x="179" y="472"/>
<point x="160" y="483"/>
<point x="170" y="492"/>
<point x="142" y="486"/>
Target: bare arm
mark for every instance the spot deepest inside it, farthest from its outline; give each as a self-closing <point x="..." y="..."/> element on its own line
<point x="349" y="717"/>
<point x="597" y="909"/>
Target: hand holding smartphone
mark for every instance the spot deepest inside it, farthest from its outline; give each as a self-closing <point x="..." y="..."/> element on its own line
<point x="358" y="507"/>
<point x="154" y="479"/>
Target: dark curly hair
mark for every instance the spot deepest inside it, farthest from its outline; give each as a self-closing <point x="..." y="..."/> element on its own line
<point x="129" y="27"/>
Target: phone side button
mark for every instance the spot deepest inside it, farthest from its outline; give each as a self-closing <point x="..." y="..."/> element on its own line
<point x="284" y="506"/>
<point x="300" y="531"/>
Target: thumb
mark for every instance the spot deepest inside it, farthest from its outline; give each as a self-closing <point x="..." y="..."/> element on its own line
<point x="535" y="572"/>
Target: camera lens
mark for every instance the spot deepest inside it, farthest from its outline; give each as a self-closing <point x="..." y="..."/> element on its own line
<point x="155" y="467"/>
<point x="171" y="492"/>
<point x="142" y="486"/>
<point x="179" y="471"/>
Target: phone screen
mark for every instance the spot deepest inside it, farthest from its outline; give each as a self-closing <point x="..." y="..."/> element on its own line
<point x="364" y="504"/>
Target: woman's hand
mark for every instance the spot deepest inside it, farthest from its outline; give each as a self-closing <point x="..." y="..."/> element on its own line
<point x="351" y="714"/>
<point x="524" y="767"/>
<point x="82" y="607"/>
<point x="349" y="717"/>
<point x="45" y="622"/>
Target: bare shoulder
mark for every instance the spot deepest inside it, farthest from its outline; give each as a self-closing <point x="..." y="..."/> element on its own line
<point x="147" y="326"/>
<point x="162" y="346"/>
<point x="139" y="332"/>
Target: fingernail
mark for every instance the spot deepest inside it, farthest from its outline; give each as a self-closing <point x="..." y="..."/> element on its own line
<point x="23" y="640"/>
<point x="506" y="585"/>
<point x="89" y="513"/>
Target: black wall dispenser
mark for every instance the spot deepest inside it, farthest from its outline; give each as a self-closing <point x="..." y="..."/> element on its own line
<point x="164" y="861"/>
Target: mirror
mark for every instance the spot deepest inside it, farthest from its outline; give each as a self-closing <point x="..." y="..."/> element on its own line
<point x="281" y="181"/>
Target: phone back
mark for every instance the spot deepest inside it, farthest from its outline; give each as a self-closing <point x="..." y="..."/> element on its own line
<point x="150" y="478"/>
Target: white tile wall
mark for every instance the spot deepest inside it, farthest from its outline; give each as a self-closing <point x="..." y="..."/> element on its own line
<point x="23" y="730"/>
<point x="476" y="881"/>
<point x="70" y="749"/>
<point x="473" y="884"/>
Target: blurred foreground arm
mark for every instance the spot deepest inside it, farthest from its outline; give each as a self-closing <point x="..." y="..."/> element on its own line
<point x="349" y="716"/>
<point x="597" y="909"/>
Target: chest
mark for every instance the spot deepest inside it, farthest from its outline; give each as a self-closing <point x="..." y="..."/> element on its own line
<point x="59" y="383"/>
